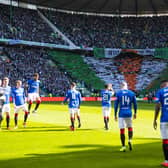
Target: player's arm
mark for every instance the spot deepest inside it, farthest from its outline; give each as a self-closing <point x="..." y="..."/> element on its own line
<point x="157" y="110"/>
<point x="80" y="99"/>
<point x="38" y="90"/>
<point x="112" y="92"/>
<point x="116" y="103"/>
<point x="135" y="106"/>
<point x="24" y="96"/>
<point x="66" y="98"/>
<point x="26" y="86"/>
<point x="13" y="97"/>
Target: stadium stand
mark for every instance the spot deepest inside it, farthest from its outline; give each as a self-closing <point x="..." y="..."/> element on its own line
<point x="129" y="66"/>
<point x="85" y="31"/>
<point x="75" y="66"/>
<point x="23" y="62"/>
<point x="25" y="24"/>
<point x="112" y="32"/>
<point x="151" y="69"/>
<point x="106" y="70"/>
<point x="137" y="70"/>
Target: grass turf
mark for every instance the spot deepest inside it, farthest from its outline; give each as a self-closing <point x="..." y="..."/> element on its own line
<point x="47" y="141"/>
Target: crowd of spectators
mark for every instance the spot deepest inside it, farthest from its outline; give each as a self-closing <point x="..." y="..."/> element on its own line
<point x="84" y="30"/>
<point x="23" y="62"/>
<point x="25" y="24"/>
<point x="151" y="68"/>
<point x="139" y="72"/>
<point x="112" y="32"/>
<point x="106" y="69"/>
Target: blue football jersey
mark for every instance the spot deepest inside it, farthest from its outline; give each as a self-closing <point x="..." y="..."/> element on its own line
<point x="18" y="96"/>
<point x="74" y="98"/>
<point x="7" y="94"/>
<point x="106" y="98"/>
<point x="162" y="98"/>
<point x="33" y="86"/>
<point x="125" y="99"/>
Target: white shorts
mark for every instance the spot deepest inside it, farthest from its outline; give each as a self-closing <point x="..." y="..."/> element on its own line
<point x="106" y="111"/>
<point x="6" y="108"/>
<point x="125" y="122"/>
<point x="164" y="130"/>
<point x="74" y="111"/>
<point x="22" y="107"/>
<point x="33" y="96"/>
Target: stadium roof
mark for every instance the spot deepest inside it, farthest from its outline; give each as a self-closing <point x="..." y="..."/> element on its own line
<point x="106" y="6"/>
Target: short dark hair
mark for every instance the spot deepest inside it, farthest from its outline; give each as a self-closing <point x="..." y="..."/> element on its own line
<point x="36" y="74"/>
<point x="18" y="81"/>
<point x="73" y="84"/>
<point x="164" y="81"/>
<point x="106" y="86"/>
<point x="5" y="78"/>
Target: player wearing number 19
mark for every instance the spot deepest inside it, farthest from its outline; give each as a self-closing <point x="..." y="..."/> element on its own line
<point x="106" y="95"/>
<point x="124" y="99"/>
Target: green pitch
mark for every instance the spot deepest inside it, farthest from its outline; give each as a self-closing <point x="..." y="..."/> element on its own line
<point x="47" y="141"/>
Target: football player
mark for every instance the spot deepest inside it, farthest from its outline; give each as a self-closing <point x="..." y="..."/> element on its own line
<point x="6" y="106"/>
<point x="162" y="103"/>
<point x="33" y="92"/>
<point x="106" y="95"/>
<point x="124" y="100"/>
<point x="74" y="98"/>
<point x="19" y="100"/>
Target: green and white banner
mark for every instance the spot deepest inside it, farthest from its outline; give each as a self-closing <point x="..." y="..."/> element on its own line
<point x="113" y="52"/>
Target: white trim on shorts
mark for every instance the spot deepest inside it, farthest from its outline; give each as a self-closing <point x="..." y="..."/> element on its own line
<point x="33" y="96"/>
<point x="74" y="111"/>
<point x="106" y="111"/>
<point x="22" y="107"/>
<point x="125" y="122"/>
<point x="164" y="130"/>
<point x="6" y="108"/>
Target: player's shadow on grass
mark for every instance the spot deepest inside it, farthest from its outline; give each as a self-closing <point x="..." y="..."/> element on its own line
<point x="47" y="129"/>
<point x="91" y="156"/>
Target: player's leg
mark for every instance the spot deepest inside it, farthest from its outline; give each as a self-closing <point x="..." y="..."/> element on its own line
<point x="1" y="115"/>
<point x="105" y="118"/>
<point x="164" y="133"/>
<point x="78" y="117"/>
<point x="122" y="134"/>
<point x="108" y="115"/>
<point x="1" y="118"/>
<point x="7" y="120"/>
<point x="24" y="107"/>
<point x="38" y="101"/>
<point x="130" y="132"/>
<point x="29" y="105"/>
<point x="6" y="110"/>
<point x="30" y="101"/>
<point x="16" y="110"/>
<point x="72" y="118"/>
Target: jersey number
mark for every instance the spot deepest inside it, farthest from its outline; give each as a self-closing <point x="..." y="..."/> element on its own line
<point x="73" y="96"/>
<point x="105" y="97"/>
<point x="125" y="100"/>
<point x="166" y="101"/>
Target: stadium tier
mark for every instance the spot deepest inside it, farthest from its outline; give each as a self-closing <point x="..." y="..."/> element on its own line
<point x="138" y="71"/>
<point x="21" y="63"/>
<point x="60" y="67"/>
<point x="25" y="24"/>
<point x="112" y="32"/>
<point x="79" y="70"/>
